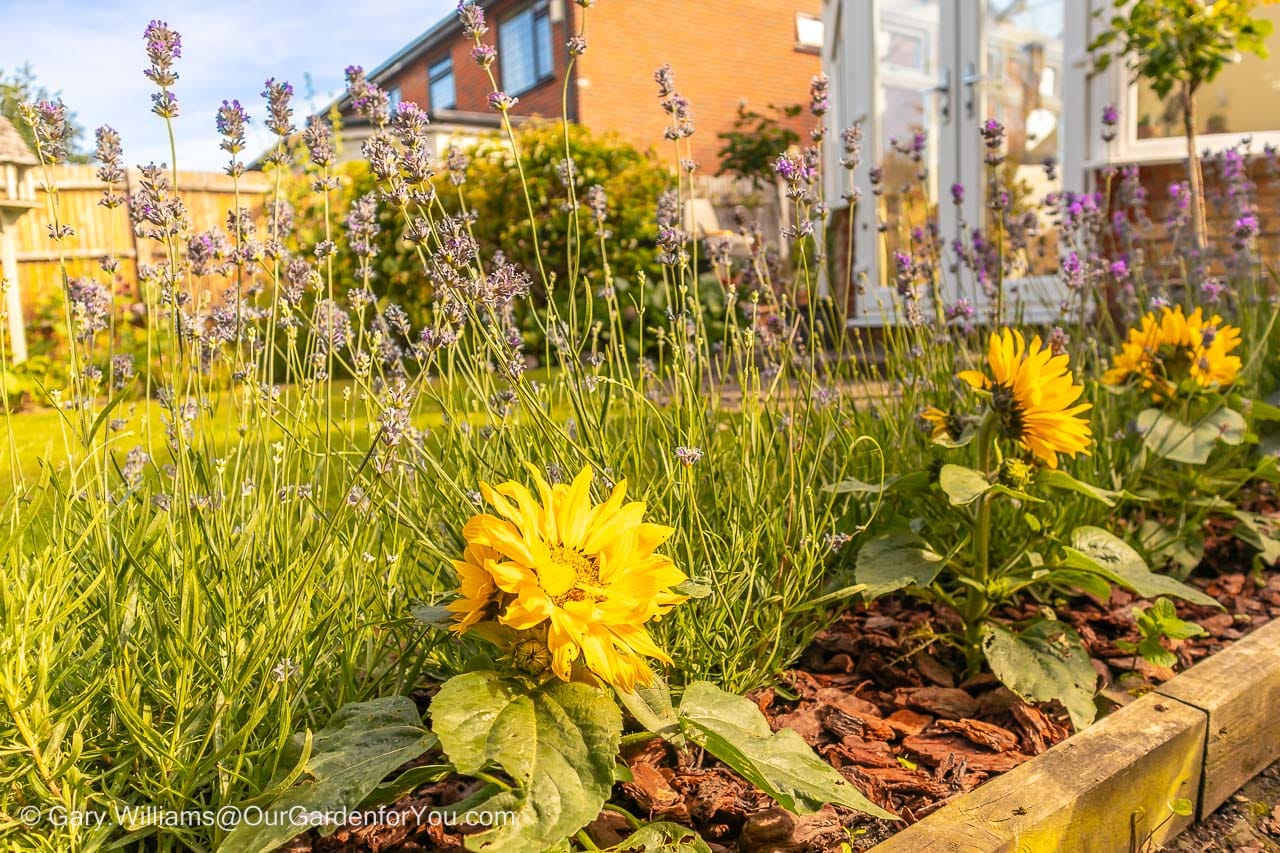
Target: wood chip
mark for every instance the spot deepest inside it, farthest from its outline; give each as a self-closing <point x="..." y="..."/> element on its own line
<point x="991" y="736"/>
<point x="908" y="722"/>
<point x="951" y="703"/>
<point x="842" y="723"/>
<point x="934" y="670"/>
<point x="1039" y="732"/>
<point x="934" y="749"/>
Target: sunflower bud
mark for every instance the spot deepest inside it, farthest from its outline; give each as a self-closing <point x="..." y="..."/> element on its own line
<point x="1017" y="473"/>
<point x="531" y="656"/>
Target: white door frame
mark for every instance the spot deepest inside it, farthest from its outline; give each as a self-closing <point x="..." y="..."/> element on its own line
<point x="852" y="29"/>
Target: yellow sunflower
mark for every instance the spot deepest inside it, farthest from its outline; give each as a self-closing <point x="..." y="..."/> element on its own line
<point x="476" y="589"/>
<point x="943" y="423"/>
<point x="585" y="574"/>
<point x="1034" y="395"/>
<point x="1164" y="352"/>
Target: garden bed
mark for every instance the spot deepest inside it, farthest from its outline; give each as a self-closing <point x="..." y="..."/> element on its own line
<point x="892" y="718"/>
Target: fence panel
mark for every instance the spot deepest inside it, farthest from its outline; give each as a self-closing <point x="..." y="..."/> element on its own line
<point x="100" y="231"/>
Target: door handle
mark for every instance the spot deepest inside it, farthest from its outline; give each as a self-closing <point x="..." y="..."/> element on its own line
<point x="942" y="89"/>
<point x="970" y="80"/>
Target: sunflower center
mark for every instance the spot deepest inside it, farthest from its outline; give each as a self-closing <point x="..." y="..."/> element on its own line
<point x="1009" y="408"/>
<point x="586" y="572"/>
<point x="1176" y="361"/>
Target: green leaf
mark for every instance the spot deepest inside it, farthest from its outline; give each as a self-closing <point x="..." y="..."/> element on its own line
<point x="1255" y="530"/>
<point x="781" y="764"/>
<point x="1093" y="584"/>
<point x="841" y="594"/>
<point x="1045" y="661"/>
<point x="361" y="744"/>
<point x="558" y="741"/>
<point x="435" y="616"/>
<point x="908" y="483"/>
<point x="693" y="589"/>
<point x="1261" y="411"/>
<point x="652" y="708"/>
<point x="1163" y="617"/>
<point x="1059" y="479"/>
<point x="854" y="486"/>
<point x="962" y="485"/>
<point x="663" y="837"/>
<point x="1097" y="550"/>
<point x="409" y="780"/>
<point x="894" y="560"/>
<point x="1152" y="651"/>
<point x="1169" y="438"/>
<point x="1167" y="545"/>
<point x="1181" y="806"/>
<point x="945" y="440"/>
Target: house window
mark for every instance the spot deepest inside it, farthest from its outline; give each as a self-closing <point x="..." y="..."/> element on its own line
<point x="905" y="50"/>
<point x="809" y="33"/>
<point x="393" y="98"/>
<point x="524" y="48"/>
<point x="440" y="85"/>
<point x="1243" y="100"/>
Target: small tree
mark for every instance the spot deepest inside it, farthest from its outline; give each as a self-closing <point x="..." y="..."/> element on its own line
<point x="1180" y="45"/>
<point x="756" y="141"/>
<point x="21" y="87"/>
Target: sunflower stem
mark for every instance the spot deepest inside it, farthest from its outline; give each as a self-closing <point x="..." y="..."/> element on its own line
<point x="976" y="603"/>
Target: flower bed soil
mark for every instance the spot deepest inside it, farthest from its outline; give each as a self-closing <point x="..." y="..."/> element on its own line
<point x="876" y="696"/>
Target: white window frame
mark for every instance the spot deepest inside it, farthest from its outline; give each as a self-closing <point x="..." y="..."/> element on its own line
<point x="434" y="75"/>
<point x="1116" y="86"/>
<point x="803" y="18"/>
<point x="538" y="10"/>
<point x="922" y="38"/>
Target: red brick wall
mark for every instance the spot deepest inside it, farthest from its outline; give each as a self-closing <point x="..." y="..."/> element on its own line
<point x="720" y="50"/>
<point x="471" y="84"/>
<point x="1156" y="179"/>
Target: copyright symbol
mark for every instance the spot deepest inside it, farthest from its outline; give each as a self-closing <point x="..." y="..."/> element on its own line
<point x="29" y="815"/>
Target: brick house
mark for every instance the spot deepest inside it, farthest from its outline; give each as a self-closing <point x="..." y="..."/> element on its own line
<point x="722" y="51"/>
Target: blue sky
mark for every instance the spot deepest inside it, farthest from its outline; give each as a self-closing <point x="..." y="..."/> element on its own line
<point x="93" y="52"/>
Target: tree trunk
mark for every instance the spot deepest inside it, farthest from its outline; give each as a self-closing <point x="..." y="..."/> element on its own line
<point x="1195" y="178"/>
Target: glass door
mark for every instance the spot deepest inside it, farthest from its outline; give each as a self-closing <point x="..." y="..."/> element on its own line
<point x="922" y="77"/>
<point x="896" y="63"/>
<point x="1022" y="88"/>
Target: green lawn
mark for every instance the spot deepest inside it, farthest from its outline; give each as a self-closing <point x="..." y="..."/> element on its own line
<point x="43" y="437"/>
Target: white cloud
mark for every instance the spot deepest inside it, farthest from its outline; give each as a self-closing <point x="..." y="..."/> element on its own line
<point x="93" y="53"/>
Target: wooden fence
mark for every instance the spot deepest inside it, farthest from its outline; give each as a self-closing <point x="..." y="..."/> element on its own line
<point x="100" y="231"/>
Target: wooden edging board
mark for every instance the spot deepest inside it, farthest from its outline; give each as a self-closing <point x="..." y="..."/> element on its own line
<point x="1199" y="737"/>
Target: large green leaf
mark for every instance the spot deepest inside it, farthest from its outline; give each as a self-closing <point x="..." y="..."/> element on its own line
<point x="1100" y="551"/>
<point x="962" y="485"/>
<point x="1256" y="530"/>
<point x="558" y="741"/>
<point x="1169" y="438"/>
<point x="894" y="560"/>
<point x="781" y="764"/>
<point x="663" y="837"/>
<point x="914" y="482"/>
<point x="1059" y="479"/>
<point x="652" y="708"/>
<point x="1045" y="661"/>
<point x="348" y="758"/>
